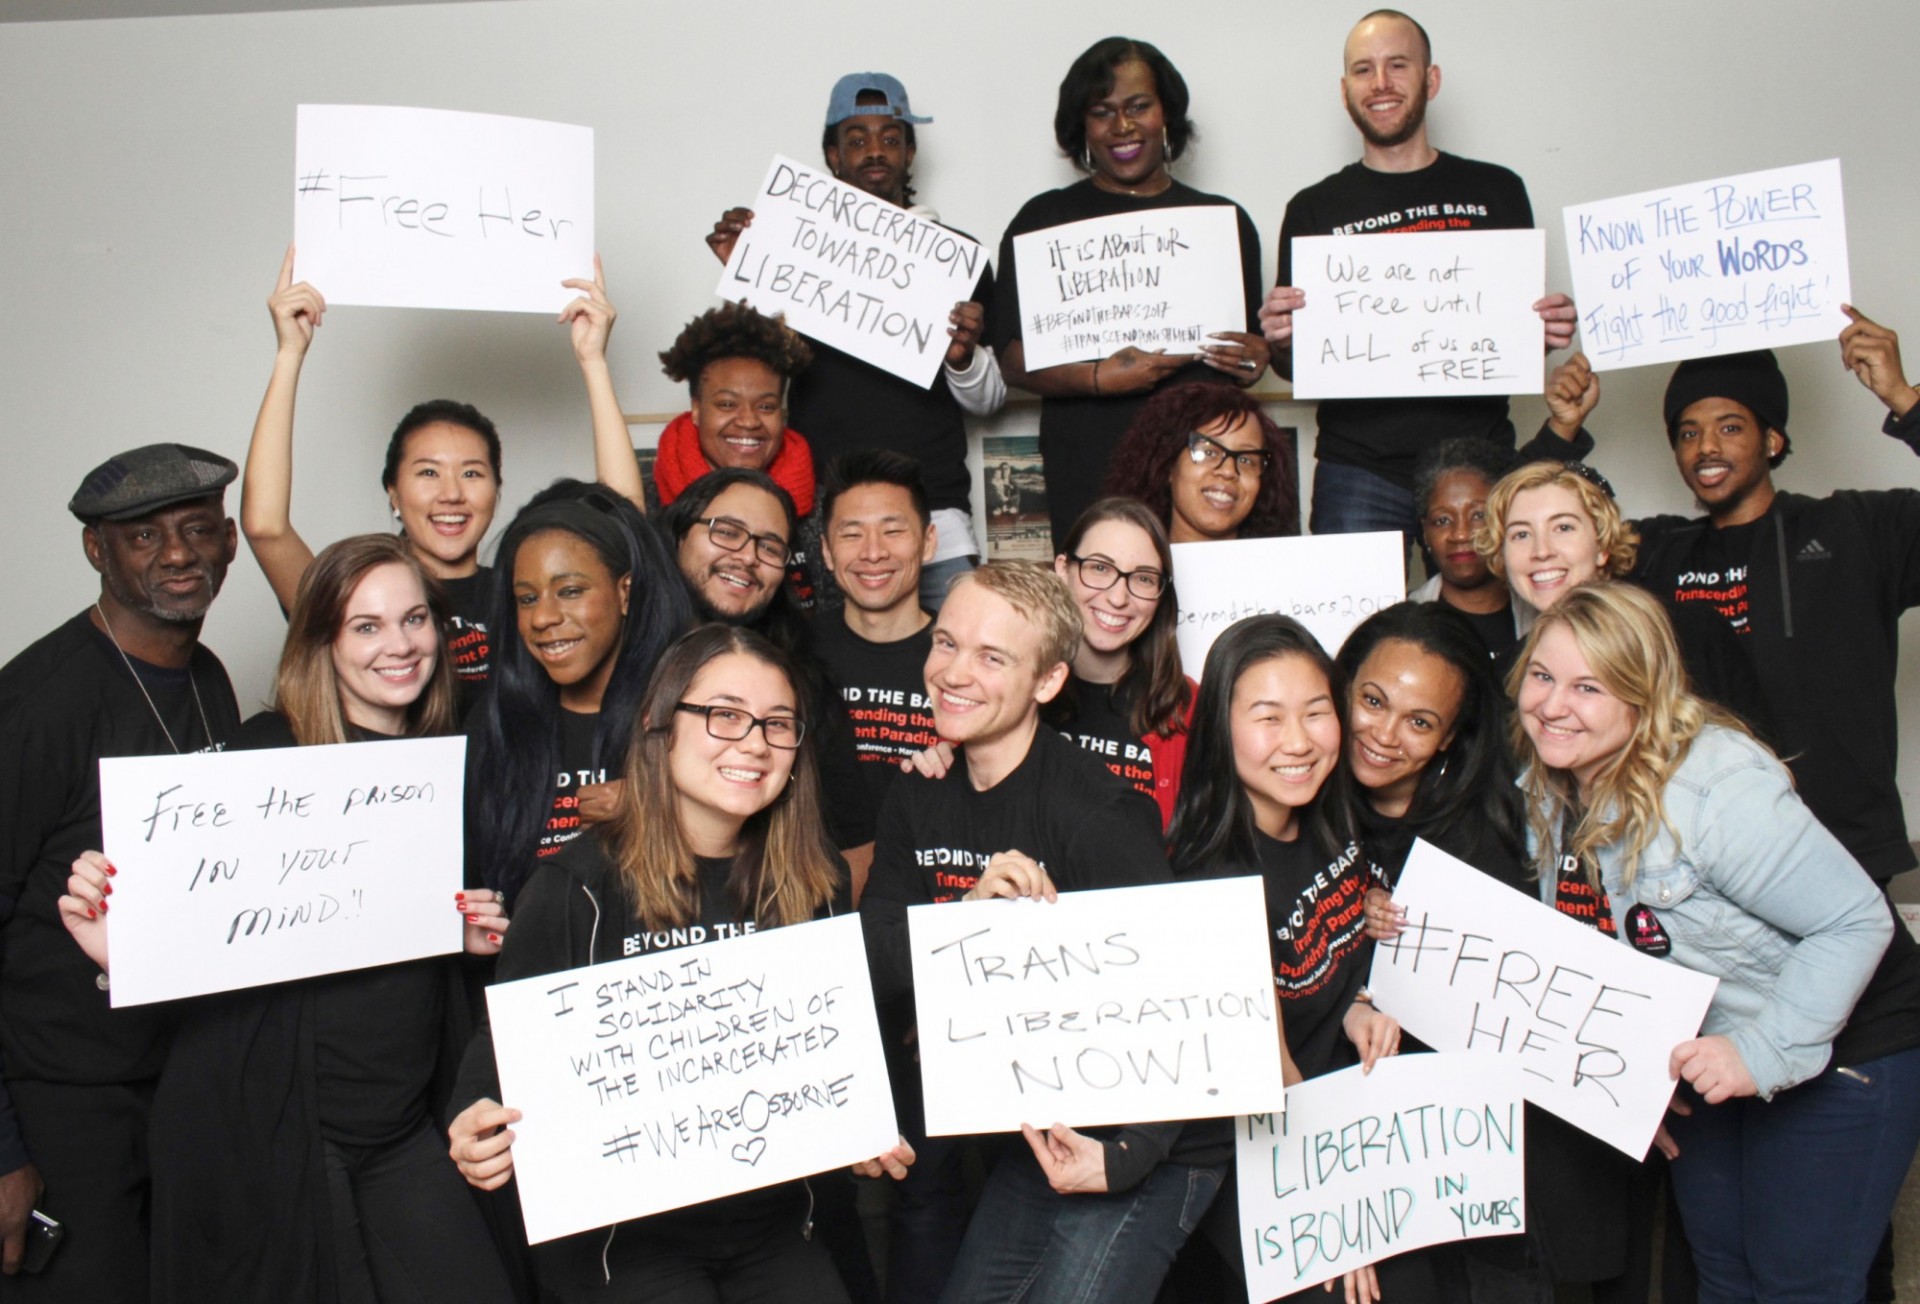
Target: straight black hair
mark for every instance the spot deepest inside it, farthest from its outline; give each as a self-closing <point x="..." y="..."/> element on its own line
<point x="432" y="412"/>
<point x="874" y="466"/>
<point x="781" y="619"/>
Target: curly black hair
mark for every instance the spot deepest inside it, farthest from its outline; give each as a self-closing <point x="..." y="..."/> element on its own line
<point x="734" y="330"/>
<point x="1142" y="463"/>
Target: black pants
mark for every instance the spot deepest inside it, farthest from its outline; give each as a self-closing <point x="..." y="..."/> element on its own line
<point x="763" y="1261"/>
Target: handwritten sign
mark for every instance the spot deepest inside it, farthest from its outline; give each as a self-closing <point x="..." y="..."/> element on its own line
<point x="1587" y="1019"/>
<point x="243" y="868"/>
<point x="852" y="270"/>
<point x="1327" y="582"/>
<point x="666" y="1079"/>
<point x="426" y="208"/>
<point x="1124" y="1005"/>
<point x="1164" y="279"/>
<point x="1420" y="313"/>
<point x="1424" y="1149"/>
<point x="1755" y="261"/>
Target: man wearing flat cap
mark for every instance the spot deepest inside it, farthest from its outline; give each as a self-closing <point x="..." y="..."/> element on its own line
<point x="125" y="677"/>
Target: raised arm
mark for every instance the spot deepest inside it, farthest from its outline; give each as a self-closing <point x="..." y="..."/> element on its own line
<point x="590" y="319"/>
<point x="266" y="491"/>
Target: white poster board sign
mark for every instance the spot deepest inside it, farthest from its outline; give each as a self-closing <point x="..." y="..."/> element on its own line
<point x="852" y="270"/>
<point x="1159" y="279"/>
<point x="1588" y="1020"/>
<point x="666" y="1079"/>
<point x="1122" y="1005"/>
<point x="429" y="208"/>
<point x="1419" y="314"/>
<point x="1327" y="582"/>
<point x="1422" y="1150"/>
<point x="243" y="868"/>
<point x="1754" y="261"/>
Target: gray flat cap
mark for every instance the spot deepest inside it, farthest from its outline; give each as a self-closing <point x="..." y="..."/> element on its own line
<point x="143" y="480"/>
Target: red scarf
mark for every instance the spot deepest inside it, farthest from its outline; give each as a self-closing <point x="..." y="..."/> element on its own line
<point x="680" y="462"/>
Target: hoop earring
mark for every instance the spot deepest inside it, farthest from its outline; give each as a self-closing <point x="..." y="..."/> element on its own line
<point x="1166" y="148"/>
<point x="1086" y="159"/>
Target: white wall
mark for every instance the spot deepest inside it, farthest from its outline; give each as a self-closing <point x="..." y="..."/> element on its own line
<point x="144" y="206"/>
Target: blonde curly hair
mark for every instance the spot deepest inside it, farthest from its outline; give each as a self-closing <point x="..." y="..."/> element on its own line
<point x="1619" y="541"/>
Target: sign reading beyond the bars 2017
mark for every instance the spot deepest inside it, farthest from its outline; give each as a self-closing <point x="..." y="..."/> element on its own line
<point x="1119" y="1005"/>
<point x="851" y="270"/>
<point x="428" y="208"/>
<point x="1159" y="279"/>
<point x="1327" y="582"/>
<point x="1589" y="1021"/>
<point x="690" y="1073"/>
<point x="1424" y="1149"/>
<point x="1754" y="261"/>
<point x="243" y="868"/>
<point x="1418" y="313"/>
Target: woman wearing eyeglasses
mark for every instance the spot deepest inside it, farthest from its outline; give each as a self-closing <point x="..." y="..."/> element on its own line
<point x="718" y="833"/>
<point x="1210" y="465"/>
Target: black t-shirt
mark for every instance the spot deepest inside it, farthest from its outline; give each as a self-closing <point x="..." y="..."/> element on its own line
<point x="1387" y="435"/>
<point x="1098" y="719"/>
<point x="579" y="767"/>
<point x="1495" y="629"/>
<point x="883" y="694"/>
<point x="1078" y="435"/>
<point x="468" y="645"/>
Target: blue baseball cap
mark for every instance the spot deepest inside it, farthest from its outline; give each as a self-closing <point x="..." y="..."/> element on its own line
<point x="845" y="102"/>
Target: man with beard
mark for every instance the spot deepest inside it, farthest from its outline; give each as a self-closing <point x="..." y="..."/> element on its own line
<point x="125" y="677"/>
<point x="1366" y="448"/>
<point x="841" y="403"/>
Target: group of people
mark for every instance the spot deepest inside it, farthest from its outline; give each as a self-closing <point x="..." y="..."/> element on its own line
<point x="774" y="684"/>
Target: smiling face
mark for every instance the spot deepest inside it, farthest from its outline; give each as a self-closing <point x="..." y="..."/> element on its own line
<point x="1286" y="739"/>
<point x="718" y="783"/>
<point x="168" y="565"/>
<point x="571" y="611"/>
<point x="1112" y="618"/>
<point x="384" y="654"/>
<point x="1405" y="704"/>
<point x="1454" y="511"/>
<point x="870" y="150"/>
<point x="1388" y="81"/>
<point x="1722" y="448"/>
<point x="445" y="492"/>
<point x="876" y="544"/>
<point x="1575" y="722"/>
<point x="984" y="673"/>
<point x="1126" y="131"/>
<point x="1214" y="502"/>
<point x="735" y="586"/>
<point x="1550" y="546"/>
<point x="740" y="413"/>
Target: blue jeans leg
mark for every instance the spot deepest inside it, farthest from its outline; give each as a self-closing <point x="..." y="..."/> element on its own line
<point x="1028" y="1244"/>
<point x="1785" y="1201"/>
<point x="1348" y="500"/>
<point x="935" y="577"/>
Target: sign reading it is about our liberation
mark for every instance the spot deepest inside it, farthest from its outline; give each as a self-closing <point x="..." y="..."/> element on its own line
<point x="1327" y="582"/>
<point x="1419" y="313"/>
<point x="1120" y="1005"/>
<point x="851" y="270"/>
<point x="1588" y="1021"/>
<point x="1754" y="261"/>
<point x="1423" y="1149"/>
<point x="429" y="208"/>
<point x="1160" y="279"/>
<point x="243" y="868"/>
<point x="690" y="1073"/>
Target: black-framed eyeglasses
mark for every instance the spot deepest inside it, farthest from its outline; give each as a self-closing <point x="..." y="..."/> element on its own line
<point x="731" y="724"/>
<point x="1207" y="452"/>
<point x="733" y="536"/>
<point x="1099" y="573"/>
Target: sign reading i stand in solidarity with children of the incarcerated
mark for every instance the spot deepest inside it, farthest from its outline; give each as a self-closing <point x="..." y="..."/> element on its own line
<point x="1361" y="1167"/>
<point x="868" y="277"/>
<point x="1754" y="261"/>
<point x="429" y="208"/>
<point x="1419" y="313"/>
<point x="1163" y="279"/>
<point x="1121" y="1005"/>
<point x="691" y="1072"/>
<point x="1589" y="1021"/>
<point x="243" y="868"/>
<point x="1327" y="582"/>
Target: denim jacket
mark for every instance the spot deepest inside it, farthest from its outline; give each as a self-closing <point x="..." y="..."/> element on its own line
<point x="1759" y="895"/>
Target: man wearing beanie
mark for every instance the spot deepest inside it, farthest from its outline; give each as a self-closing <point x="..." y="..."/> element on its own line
<point x="125" y="677"/>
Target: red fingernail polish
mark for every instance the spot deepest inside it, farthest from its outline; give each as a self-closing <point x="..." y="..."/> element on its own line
<point x="473" y="919"/>
<point x="103" y="907"/>
<point x="90" y="913"/>
<point x="111" y="871"/>
<point x="106" y="889"/>
<point x="493" y="937"/>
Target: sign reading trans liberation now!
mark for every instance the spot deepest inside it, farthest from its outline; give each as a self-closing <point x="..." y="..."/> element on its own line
<point x="849" y="269"/>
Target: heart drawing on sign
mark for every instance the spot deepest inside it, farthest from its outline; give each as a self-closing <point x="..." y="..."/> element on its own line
<point x="749" y="1152"/>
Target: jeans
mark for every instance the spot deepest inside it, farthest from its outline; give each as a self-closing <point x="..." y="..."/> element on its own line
<point x="937" y="576"/>
<point x="1787" y="1200"/>
<point x="1348" y="500"/>
<point x="1028" y="1244"/>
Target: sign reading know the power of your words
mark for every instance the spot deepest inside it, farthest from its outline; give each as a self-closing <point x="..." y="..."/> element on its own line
<point x="1419" y="313"/>
<point x="1754" y="261"/>
<point x="1159" y="279"/>
<point x="1327" y="582"/>
<point x="1588" y="1020"/>
<point x="429" y="208"/>
<point x="851" y="270"/>
<point x="1361" y="1167"/>
<point x="244" y="868"/>
<point x="663" y="1080"/>
<point x="1122" y="1005"/>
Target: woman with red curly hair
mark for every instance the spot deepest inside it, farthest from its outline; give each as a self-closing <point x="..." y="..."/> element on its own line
<point x="1210" y="465"/>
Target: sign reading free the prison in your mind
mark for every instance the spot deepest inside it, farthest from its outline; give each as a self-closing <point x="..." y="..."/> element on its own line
<point x="243" y="868"/>
<point x="429" y="208"/>
<point x="690" y="1072"/>
<point x="849" y="269"/>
